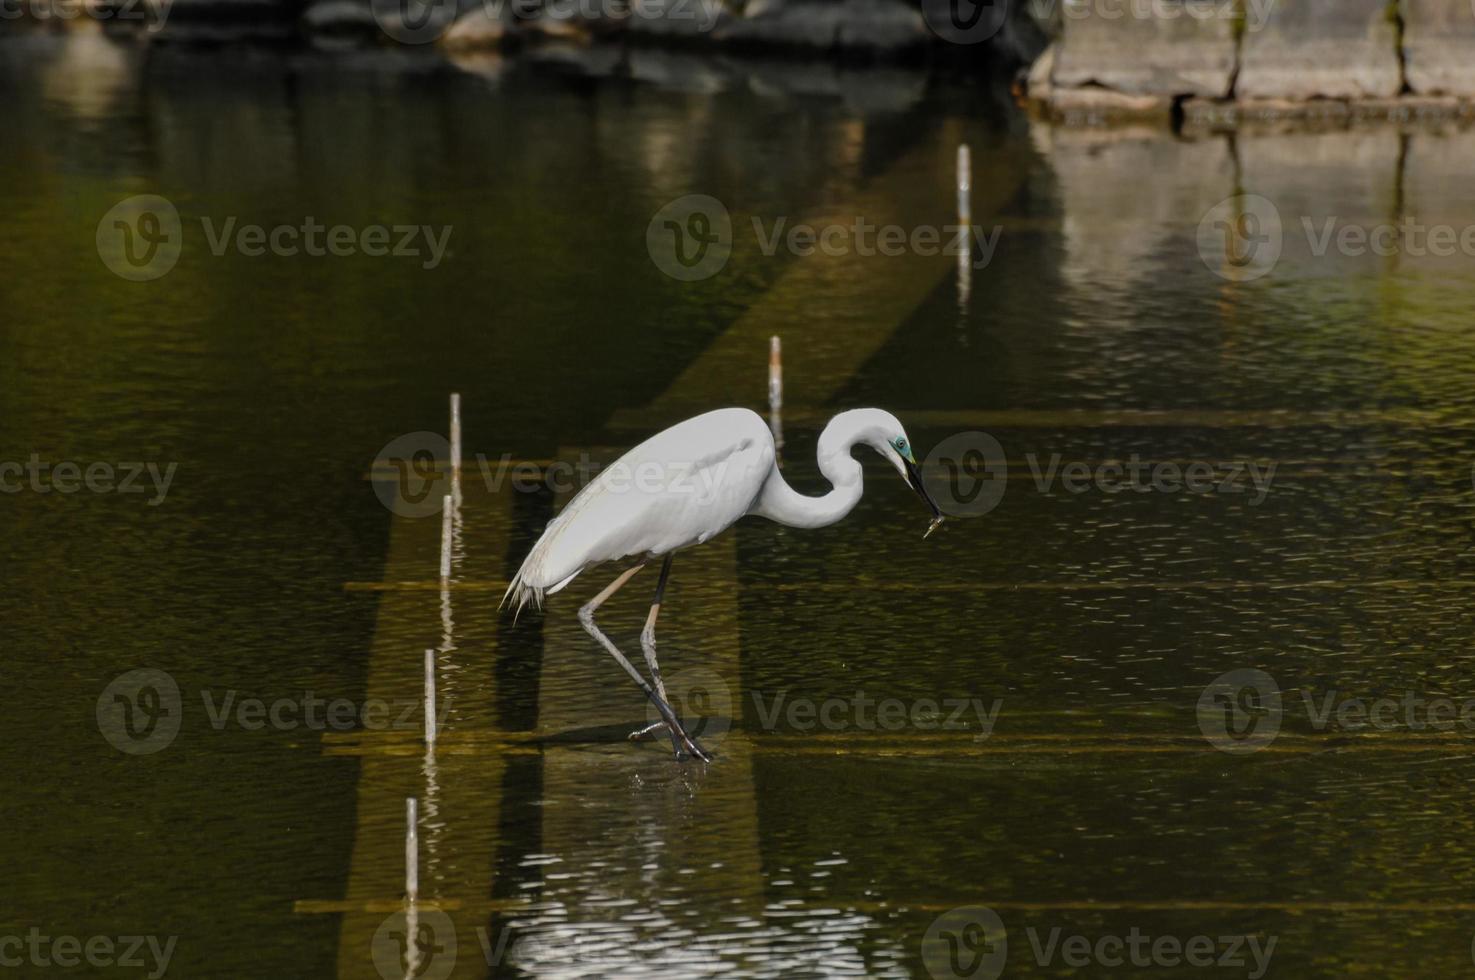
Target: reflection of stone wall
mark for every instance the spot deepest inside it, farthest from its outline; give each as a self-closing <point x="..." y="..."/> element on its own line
<point x="1368" y="205"/>
<point x="1321" y="184"/>
<point x="1123" y="195"/>
<point x="1334" y="59"/>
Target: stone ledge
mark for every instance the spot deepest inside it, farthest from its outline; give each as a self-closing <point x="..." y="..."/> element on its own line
<point x="1099" y="106"/>
<point x="1317" y="113"/>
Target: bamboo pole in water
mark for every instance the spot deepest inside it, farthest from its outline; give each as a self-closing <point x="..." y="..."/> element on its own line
<point x="446" y="518"/>
<point x="430" y="698"/>
<point x="456" y="447"/>
<point x="776" y="391"/>
<point x="965" y="227"/>
<point x="412" y="850"/>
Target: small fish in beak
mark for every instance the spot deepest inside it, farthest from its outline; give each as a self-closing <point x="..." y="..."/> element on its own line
<point x="914" y="478"/>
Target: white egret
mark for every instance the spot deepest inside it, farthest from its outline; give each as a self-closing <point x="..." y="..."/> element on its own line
<point x="682" y="487"/>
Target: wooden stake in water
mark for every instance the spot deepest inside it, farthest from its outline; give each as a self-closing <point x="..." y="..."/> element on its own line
<point x="775" y="375"/>
<point x="965" y="186"/>
<point x="965" y="228"/>
<point x="446" y="517"/>
<point x="412" y="850"/>
<point x="430" y="697"/>
<point x="776" y="394"/>
<point x="456" y="446"/>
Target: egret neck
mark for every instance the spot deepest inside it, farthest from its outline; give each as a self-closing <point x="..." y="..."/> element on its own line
<point x="782" y="503"/>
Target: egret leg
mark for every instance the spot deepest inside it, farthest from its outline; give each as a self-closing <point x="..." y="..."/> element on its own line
<point x="586" y="618"/>
<point x="648" y="647"/>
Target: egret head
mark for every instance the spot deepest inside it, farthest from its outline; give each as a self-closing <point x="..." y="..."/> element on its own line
<point x="884" y="433"/>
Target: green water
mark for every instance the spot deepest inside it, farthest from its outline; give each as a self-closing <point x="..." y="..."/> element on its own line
<point x="1094" y="619"/>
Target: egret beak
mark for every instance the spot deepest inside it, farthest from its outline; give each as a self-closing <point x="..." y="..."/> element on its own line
<point x="914" y="478"/>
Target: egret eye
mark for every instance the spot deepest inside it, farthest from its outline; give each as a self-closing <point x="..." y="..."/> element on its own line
<point x="901" y="444"/>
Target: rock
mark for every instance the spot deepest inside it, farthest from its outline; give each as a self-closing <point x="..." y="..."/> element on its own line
<point x="1321" y="49"/>
<point x="1187" y="49"/>
<point x="226" y="21"/>
<point x="691" y="19"/>
<point x="482" y="27"/>
<point x="339" y="15"/>
<point x="806" y="23"/>
<point x="1041" y="76"/>
<point x="1438" y="37"/>
<point x="680" y="71"/>
<point x="881" y="25"/>
<point x="558" y="27"/>
<point x="878" y="26"/>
